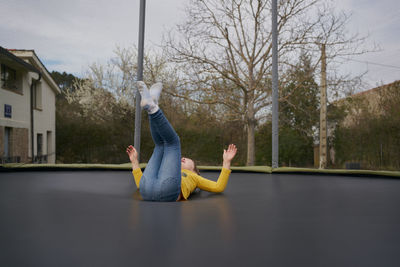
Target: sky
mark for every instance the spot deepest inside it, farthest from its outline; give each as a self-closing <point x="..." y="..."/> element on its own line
<point x="70" y="35"/>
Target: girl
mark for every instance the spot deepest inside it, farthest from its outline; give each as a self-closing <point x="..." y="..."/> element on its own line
<point x="167" y="176"/>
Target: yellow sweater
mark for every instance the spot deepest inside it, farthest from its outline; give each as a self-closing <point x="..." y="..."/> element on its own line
<point x="190" y="181"/>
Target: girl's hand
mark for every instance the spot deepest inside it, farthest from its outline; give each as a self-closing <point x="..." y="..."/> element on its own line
<point x="229" y="154"/>
<point x="133" y="156"/>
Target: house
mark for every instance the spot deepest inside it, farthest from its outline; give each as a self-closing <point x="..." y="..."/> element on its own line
<point x="27" y="108"/>
<point x="369" y="101"/>
<point x="354" y="105"/>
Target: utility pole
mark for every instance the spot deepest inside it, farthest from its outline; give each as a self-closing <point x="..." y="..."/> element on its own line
<point x="322" y="120"/>
<point x="138" y="111"/>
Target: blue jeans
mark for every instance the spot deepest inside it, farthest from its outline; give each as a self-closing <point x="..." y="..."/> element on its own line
<point x="161" y="180"/>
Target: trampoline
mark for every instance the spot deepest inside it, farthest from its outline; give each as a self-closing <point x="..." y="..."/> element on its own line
<point x="96" y="218"/>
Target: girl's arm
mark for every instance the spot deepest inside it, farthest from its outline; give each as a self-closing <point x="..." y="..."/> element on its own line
<point x="136" y="171"/>
<point x="211" y="186"/>
<point x="220" y="185"/>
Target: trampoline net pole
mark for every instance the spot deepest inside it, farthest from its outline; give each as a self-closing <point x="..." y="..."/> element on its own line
<point x="275" y="92"/>
<point x="138" y="110"/>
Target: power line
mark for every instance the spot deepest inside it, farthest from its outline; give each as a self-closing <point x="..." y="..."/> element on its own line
<point x="374" y="63"/>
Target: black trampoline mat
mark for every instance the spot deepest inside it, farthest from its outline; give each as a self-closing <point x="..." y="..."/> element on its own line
<point x="95" y="218"/>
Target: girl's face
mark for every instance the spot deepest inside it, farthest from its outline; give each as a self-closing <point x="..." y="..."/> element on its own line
<point x="187" y="164"/>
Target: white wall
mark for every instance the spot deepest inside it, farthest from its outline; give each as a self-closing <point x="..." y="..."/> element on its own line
<point x="20" y="106"/>
<point x="44" y="119"/>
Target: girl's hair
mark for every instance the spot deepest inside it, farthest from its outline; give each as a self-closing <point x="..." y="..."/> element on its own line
<point x="196" y="170"/>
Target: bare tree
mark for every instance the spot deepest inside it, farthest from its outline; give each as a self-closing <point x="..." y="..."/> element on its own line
<point x="330" y="31"/>
<point x="224" y="49"/>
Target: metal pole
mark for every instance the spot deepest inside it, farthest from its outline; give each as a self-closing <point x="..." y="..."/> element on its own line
<point x="323" y="146"/>
<point x="275" y="91"/>
<point x="138" y="112"/>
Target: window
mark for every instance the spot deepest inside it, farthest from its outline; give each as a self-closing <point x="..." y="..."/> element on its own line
<point x="8" y="77"/>
<point x="39" y="145"/>
<point x="37" y="95"/>
<point x="49" y="143"/>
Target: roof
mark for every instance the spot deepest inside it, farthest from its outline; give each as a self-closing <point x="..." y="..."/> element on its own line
<point x="10" y="57"/>
<point x="23" y="55"/>
<point x="366" y="93"/>
<point x="375" y="90"/>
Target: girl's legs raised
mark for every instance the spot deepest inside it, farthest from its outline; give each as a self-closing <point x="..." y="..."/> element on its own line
<point x="161" y="179"/>
<point x="169" y="173"/>
<point x="153" y="166"/>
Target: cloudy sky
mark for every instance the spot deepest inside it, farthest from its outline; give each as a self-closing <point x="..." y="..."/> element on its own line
<point x="70" y="35"/>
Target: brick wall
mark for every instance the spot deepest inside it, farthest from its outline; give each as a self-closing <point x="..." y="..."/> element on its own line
<point x="20" y="141"/>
